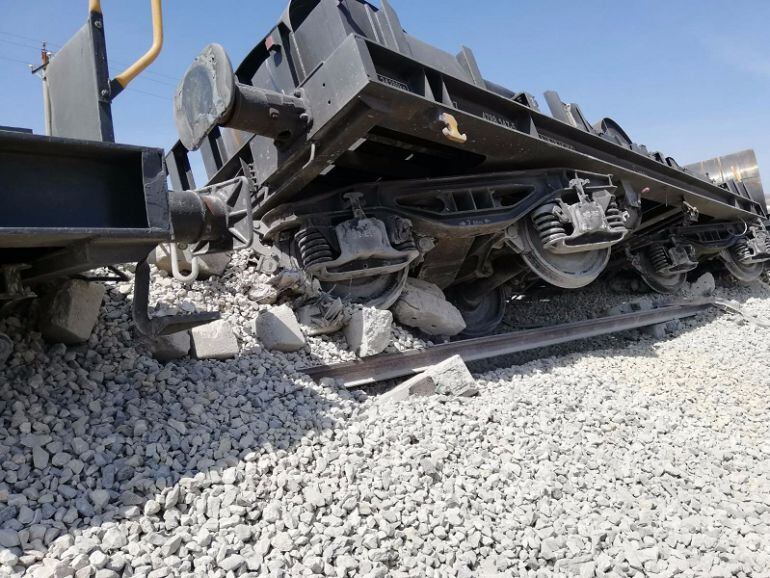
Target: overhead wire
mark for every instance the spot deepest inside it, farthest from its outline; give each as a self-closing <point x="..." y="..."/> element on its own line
<point x="18" y="60"/>
<point x="144" y="92"/>
<point x="37" y="44"/>
<point x="48" y="44"/>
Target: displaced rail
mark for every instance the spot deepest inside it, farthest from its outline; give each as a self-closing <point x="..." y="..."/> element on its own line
<point x="397" y="365"/>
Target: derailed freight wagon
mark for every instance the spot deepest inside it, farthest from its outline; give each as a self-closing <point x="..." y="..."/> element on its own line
<point x="376" y="156"/>
<point x="364" y="156"/>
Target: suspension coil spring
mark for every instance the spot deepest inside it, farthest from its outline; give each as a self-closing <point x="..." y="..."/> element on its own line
<point x="658" y="258"/>
<point x="743" y="251"/>
<point x="549" y="228"/>
<point x="614" y="216"/>
<point x="408" y="245"/>
<point x="313" y="247"/>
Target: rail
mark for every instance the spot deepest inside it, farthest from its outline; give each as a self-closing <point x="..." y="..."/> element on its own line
<point x="397" y="365"/>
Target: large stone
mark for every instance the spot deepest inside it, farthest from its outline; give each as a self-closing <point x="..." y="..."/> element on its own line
<point x="369" y="331"/>
<point x="423" y="305"/>
<point x="279" y="330"/>
<point x="704" y="286"/>
<point x="421" y="385"/>
<point x="214" y="341"/>
<point x="69" y="314"/>
<point x="213" y="265"/>
<point x="453" y="378"/>
<point x="450" y="377"/>
<point x="171" y="347"/>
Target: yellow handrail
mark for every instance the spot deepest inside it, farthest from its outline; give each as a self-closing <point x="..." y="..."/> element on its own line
<point x="95" y="6"/>
<point x="140" y="65"/>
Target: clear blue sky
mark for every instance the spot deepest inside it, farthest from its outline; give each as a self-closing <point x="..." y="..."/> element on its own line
<point x="690" y="78"/>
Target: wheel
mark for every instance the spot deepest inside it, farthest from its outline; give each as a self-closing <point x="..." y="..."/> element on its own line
<point x="568" y="271"/>
<point x="744" y="273"/>
<point x="484" y="315"/>
<point x="657" y="271"/>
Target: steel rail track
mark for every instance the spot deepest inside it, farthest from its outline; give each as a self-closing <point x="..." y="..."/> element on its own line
<point x="408" y="363"/>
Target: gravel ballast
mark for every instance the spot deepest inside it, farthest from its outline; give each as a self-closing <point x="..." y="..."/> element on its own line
<point x="643" y="458"/>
